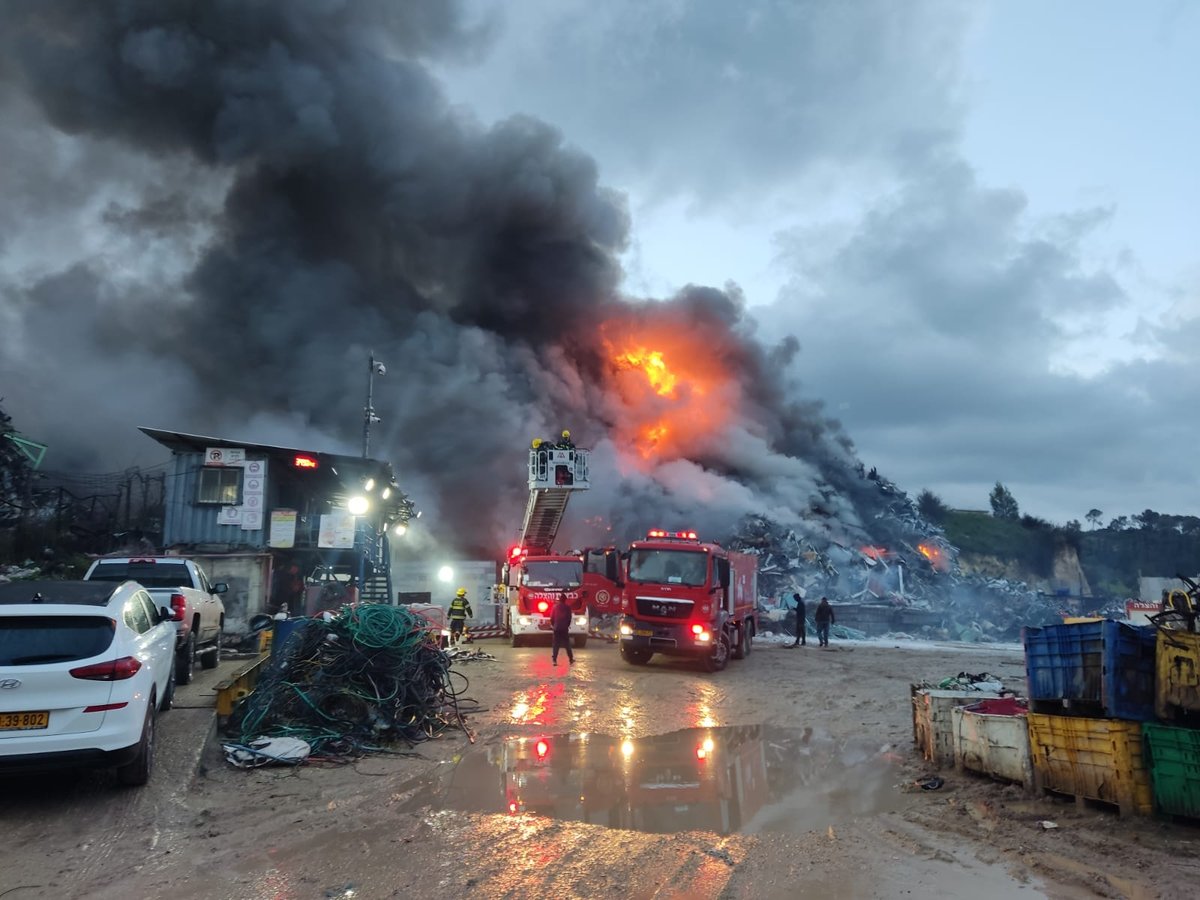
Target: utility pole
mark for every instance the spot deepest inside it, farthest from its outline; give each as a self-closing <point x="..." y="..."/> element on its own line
<point x="374" y="367"/>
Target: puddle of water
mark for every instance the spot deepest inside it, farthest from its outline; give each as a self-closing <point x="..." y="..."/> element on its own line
<point x="734" y="779"/>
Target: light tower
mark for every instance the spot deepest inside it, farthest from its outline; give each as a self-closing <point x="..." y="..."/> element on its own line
<point x="374" y="367"/>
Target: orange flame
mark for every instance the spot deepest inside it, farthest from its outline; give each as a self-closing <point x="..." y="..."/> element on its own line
<point x="675" y="392"/>
<point x="660" y="377"/>
<point x="936" y="557"/>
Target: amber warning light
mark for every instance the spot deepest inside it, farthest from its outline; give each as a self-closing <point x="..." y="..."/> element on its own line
<point x="304" y="461"/>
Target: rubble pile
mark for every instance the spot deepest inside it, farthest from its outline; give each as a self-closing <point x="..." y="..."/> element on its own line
<point x="19" y="573"/>
<point x="914" y="587"/>
<point x="355" y="683"/>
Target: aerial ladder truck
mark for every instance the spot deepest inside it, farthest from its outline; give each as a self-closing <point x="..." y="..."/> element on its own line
<point x="534" y="576"/>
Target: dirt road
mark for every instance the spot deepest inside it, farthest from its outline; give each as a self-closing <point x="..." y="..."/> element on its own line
<point x="789" y="774"/>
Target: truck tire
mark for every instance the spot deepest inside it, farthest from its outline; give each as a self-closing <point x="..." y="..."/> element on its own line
<point x="745" y="640"/>
<point x="580" y="641"/>
<point x="185" y="660"/>
<point x="636" y="656"/>
<point x="137" y="772"/>
<point x="717" y="658"/>
<point x="211" y="655"/>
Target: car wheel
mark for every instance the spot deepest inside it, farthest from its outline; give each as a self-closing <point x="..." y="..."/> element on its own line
<point x="718" y="657"/>
<point x="185" y="660"/>
<point x="168" y="699"/>
<point x="635" y="656"/>
<point x="138" y="772"/>
<point x="580" y="641"/>
<point x="212" y="655"/>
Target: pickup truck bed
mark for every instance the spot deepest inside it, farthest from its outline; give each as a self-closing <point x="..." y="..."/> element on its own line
<point x="179" y="585"/>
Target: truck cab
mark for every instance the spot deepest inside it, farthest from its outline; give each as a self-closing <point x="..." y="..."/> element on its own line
<point x="684" y="597"/>
<point x="534" y="585"/>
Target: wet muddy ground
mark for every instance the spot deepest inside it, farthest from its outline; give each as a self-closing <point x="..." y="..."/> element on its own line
<point x="792" y="773"/>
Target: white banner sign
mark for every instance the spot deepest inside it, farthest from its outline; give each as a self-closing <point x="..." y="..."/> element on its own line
<point x="337" y="530"/>
<point x="252" y="519"/>
<point x="230" y="515"/>
<point x="283" y="528"/>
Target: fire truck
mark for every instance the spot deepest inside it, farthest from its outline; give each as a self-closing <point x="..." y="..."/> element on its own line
<point x="685" y="597"/>
<point x="534" y="576"/>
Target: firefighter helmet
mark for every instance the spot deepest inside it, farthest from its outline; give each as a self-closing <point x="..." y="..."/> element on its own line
<point x="566" y="435"/>
<point x="535" y="443"/>
<point x="462" y="592"/>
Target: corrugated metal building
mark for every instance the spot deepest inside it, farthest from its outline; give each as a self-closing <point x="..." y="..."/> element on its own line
<point x="280" y="524"/>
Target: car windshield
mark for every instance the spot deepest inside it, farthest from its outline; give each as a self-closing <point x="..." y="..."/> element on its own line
<point x="31" y="640"/>
<point x="669" y="567"/>
<point x="559" y="573"/>
<point x="156" y="575"/>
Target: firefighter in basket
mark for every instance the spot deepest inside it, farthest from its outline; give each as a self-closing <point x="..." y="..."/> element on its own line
<point x="460" y="610"/>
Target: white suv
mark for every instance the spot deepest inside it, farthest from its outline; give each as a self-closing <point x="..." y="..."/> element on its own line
<point x="84" y="668"/>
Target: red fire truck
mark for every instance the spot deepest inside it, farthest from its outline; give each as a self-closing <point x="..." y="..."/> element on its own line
<point x="685" y="597"/>
<point x="534" y="576"/>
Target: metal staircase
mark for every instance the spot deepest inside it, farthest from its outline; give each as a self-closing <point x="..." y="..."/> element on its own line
<point x="376" y="587"/>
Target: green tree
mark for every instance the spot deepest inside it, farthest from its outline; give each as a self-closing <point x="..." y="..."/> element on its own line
<point x="931" y="507"/>
<point x="1093" y="517"/>
<point x="1120" y="523"/>
<point x="1004" y="505"/>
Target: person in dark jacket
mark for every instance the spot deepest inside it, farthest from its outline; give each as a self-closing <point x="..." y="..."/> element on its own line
<point x="824" y="618"/>
<point x="801" y="624"/>
<point x="560" y="622"/>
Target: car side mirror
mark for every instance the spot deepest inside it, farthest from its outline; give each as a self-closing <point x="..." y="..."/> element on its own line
<point x="165" y="614"/>
<point x="220" y="587"/>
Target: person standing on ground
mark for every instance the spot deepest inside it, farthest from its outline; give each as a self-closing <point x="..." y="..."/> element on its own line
<point x="460" y="610"/>
<point x="801" y="624"/>
<point x="824" y="618"/>
<point x="560" y="622"/>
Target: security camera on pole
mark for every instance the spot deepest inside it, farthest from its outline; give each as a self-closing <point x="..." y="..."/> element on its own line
<point x="374" y="367"/>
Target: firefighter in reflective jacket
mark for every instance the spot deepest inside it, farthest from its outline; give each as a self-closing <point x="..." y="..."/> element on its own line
<point x="460" y="609"/>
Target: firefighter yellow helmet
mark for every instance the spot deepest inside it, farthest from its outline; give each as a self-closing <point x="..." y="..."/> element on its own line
<point x="462" y="592"/>
<point x="535" y="443"/>
<point x="566" y="435"/>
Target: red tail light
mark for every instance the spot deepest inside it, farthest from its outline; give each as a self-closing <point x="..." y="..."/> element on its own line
<point x="113" y="670"/>
<point x="178" y="605"/>
<point x="542" y="749"/>
<point x="105" y="707"/>
<point x="542" y="606"/>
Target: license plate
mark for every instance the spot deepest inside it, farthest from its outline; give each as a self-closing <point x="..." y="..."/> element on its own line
<point x="24" y="721"/>
<point x="544" y="626"/>
<point x="643" y="632"/>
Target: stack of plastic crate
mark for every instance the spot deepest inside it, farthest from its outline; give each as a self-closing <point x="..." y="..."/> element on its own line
<point x="1173" y="749"/>
<point x="1091" y="686"/>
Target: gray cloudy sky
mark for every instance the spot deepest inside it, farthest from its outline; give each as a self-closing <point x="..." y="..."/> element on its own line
<point x="965" y="230"/>
<point x="978" y="219"/>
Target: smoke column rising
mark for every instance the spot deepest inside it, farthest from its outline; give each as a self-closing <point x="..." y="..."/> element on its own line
<point x="282" y="188"/>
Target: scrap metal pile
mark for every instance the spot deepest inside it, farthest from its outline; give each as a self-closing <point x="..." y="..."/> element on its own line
<point x="360" y="682"/>
<point x="914" y="587"/>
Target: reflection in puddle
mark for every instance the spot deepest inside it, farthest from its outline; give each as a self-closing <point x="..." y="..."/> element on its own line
<point x="739" y="779"/>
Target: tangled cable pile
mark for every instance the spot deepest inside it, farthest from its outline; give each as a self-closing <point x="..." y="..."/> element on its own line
<point x="370" y="677"/>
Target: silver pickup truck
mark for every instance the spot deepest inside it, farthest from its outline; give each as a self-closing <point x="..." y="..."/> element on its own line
<point x="179" y="585"/>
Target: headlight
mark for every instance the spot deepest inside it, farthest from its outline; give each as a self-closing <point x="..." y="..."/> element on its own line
<point x="581" y="621"/>
<point x="704" y="637"/>
<point x="524" y="620"/>
<point x="625" y="629"/>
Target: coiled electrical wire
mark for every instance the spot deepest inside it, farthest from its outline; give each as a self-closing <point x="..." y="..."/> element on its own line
<point x="371" y="677"/>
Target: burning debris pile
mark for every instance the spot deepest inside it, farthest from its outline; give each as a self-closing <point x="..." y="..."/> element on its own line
<point x="366" y="679"/>
<point x="914" y="587"/>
